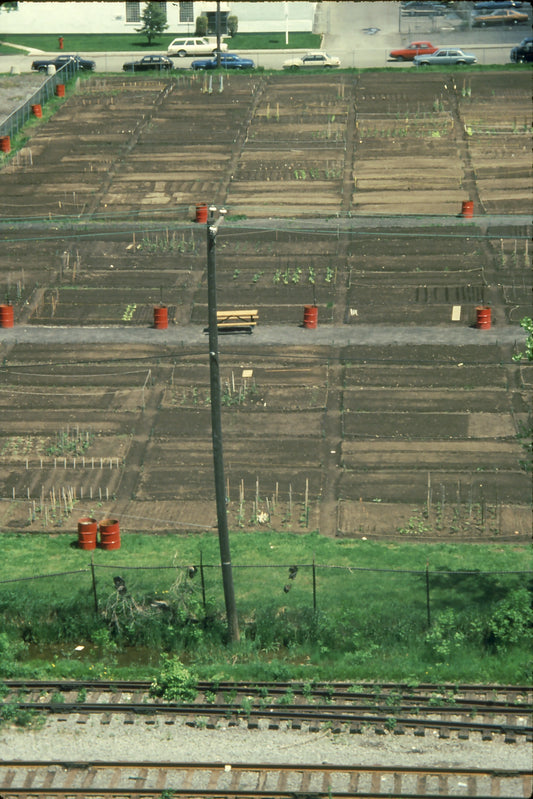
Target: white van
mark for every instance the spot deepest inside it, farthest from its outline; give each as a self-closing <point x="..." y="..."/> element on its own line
<point x="193" y="46"/>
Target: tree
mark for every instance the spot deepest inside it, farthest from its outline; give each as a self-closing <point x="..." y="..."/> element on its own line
<point x="201" y="25"/>
<point x="233" y="24"/>
<point x="154" y="22"/>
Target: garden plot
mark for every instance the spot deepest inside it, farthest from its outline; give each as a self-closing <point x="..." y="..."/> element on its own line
<point x="406" y="158"/>
<point x="331" y="438"/>
<point x="462" y="422"/>
<point x="79" y="147"/>
<point x="416" y="276"/>
<point x="499" y="139"/>
<point x="297" y="138"/>
<point x="87" y="306"/>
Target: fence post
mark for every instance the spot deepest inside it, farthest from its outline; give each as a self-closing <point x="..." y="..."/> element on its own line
<point x="427" y="595"/>
<point x="94" y="584"/>
<point x="314" y="585"/>
<point x="202" y="579"/>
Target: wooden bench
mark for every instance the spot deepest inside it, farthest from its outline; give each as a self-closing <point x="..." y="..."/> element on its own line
<point x="237" y="320"/>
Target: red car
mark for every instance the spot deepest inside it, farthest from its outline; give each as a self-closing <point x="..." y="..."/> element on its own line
<point x="409" y="52"/>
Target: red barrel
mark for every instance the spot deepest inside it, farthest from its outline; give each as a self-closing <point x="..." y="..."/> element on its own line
<point x="5" y="144"/>
<point x="483" y="318"/>
<point x="6" y="316"/>
<point x="467" y="209"/>
<point x="109" y="534"/>
<point x="160" y="317"/>
<point x="310" y="316"/>
<point x="201" y="213"/>
<point x="87" y="529"/>
<point x="60" y="90"/>
<point x="37" y="110"/>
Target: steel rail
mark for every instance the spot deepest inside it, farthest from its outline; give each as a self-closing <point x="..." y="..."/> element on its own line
<point x="296" y="684"/>
<point x="253" y="780"/>
<point x="294" y="714"/>
<point x="329" y="690"/>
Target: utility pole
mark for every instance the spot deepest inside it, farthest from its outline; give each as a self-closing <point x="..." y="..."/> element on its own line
<point x="216" y="425"/>
<point x="218" y="33"/>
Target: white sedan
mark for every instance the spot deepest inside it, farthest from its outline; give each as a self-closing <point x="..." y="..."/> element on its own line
<point x="314" y="59"/>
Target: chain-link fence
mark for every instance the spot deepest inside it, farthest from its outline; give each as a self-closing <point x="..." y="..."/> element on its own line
<point x="11" y="125"/>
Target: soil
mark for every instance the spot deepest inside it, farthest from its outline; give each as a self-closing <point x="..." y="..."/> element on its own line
<point x="372" y="441"/>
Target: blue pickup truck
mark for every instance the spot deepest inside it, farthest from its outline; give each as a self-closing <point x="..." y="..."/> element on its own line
<point x="227" y="61"/>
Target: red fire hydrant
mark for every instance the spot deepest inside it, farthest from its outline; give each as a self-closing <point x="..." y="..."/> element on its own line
<point x="60" y="42"/>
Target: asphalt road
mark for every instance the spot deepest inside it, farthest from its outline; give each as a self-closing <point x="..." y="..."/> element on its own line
<point x="361" y="34"/>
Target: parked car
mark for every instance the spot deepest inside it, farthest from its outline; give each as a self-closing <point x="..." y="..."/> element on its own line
<point x="315" y="58"/>
<point x="415" y="48"/>
<point x="422" y="8"/>
<point x="491" y="5"/>
<point x="148" y="62"/>
<point x="502" y="16"/>
<point x="42" y="64"/>
<point x="227" y="61"/>
<point x="190" y="45"/>
<point x="523" y="52"/>
<point x="446" y="55"/>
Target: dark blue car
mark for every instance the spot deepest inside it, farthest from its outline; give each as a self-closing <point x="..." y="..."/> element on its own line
<point x="227" y="61"/>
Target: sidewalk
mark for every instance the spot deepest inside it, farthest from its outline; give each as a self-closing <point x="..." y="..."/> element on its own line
<point x="271" y="335"/>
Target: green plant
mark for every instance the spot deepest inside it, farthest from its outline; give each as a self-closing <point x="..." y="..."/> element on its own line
<point x="201" y="25"/>
<point x="512" y="620"/>
<point x="175" y="682"/>
<point x="414" y="526"/>
<point x="247" y="704"/>
<point x="11" y="713"/>
<point x="287" y="698"/>
<point x="444" y="637"/>
<point x="527" y="324"/>
<point x="10" y="652"/>
<point x="232" y="24"/>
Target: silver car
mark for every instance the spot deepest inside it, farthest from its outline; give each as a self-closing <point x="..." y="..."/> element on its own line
<point x="446" y="55"/>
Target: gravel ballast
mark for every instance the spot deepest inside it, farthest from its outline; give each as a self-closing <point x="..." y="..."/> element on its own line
<point x="150" y="740"/>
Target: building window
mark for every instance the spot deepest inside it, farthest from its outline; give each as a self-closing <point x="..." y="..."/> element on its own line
<point x="163" y="9"/>
<point x="133" y="12"/>
<point x="212" y="22"/>
<point x="186" y="11"/>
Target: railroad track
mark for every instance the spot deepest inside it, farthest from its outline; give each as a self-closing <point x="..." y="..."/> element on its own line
<point x="89" y="780"/>
<point x="460" y="710"/>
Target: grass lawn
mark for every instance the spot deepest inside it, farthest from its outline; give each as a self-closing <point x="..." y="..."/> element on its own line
<point x="355" y="609"/>
<point x="127" y="42"/>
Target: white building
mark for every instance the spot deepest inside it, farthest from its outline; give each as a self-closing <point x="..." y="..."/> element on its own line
<point x="62" y="18"/>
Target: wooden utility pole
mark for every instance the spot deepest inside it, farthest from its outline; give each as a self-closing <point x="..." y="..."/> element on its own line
<point x="218" y="33"/>
<point x="216" y="425"/>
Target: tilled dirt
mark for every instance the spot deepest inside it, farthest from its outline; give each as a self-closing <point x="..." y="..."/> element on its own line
<point x="351" y="437"/>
